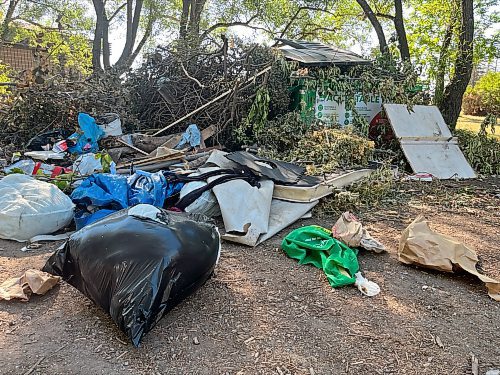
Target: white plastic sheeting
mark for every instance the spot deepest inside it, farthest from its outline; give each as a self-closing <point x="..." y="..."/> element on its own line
<point x="245" y="209"/>
<point x="206" y="204"/>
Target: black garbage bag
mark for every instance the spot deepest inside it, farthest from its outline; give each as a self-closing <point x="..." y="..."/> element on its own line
<point x="138" y="263"/>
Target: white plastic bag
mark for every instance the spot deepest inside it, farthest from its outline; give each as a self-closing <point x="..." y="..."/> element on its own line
<point x="87" y="164"/>
<point x="110" y="124"/>
<point x="365" y="286"/>
<point x="29" y="207"/>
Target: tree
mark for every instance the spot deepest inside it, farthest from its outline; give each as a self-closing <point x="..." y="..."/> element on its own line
<point x="138" y="12"/>
<point x="60" y="26"/>
<point x="398" y="22"/>
<point x="382" y="42"/>
<point x="452" y="98"/>
<point x="433" y="33"/>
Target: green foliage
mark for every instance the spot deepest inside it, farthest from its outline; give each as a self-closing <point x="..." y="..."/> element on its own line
<point x="256" y="119"/>
<point x="481" y="150"/>
<point x="63" y="27"/>
<point x="484" y="97"/>
<point x="323" y="150"/>
<point x="283" y="133"/>
<point x="393" y="81"/>
<point x="4" y="77"/>
<point x="427" y="26"/>
<point x="369" y="192"/>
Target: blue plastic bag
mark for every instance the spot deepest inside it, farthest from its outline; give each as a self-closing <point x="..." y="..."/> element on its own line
<point x="147" y="188"/>
<point x="115" y="192"/>
<point x="191" y="136"/>
<point x="83" y="218"/>
<point x="102" y="190"/>
<point x="86" y="140"/>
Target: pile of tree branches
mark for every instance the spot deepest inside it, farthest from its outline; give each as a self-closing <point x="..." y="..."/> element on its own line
<point x="174" y="81"/>
<point x="54" y="103"/>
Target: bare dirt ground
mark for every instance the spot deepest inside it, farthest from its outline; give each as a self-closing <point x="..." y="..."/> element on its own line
<point x="264" y="314"/>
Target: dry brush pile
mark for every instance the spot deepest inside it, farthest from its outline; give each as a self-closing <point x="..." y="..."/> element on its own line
<point x="174" y="82"/>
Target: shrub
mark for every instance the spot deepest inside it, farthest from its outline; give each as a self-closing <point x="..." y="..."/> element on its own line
<point x="482" y="151"/>
<point x="484" y="97"/>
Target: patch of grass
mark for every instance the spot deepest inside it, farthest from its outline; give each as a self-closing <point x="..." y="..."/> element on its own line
<point x="473" y="124"/>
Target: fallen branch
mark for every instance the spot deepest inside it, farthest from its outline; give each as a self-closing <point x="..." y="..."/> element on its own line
<point x="132" y="147"/>
<point x="224" y="94"/>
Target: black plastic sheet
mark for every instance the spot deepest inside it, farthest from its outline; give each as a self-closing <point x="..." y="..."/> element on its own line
<point x="137" y="269"/>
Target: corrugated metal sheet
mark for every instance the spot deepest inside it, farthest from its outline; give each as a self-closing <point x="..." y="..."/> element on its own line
<point x="314" y="53"/>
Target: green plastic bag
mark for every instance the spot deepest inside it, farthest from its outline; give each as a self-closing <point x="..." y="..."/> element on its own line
<point x="315" y="245"/>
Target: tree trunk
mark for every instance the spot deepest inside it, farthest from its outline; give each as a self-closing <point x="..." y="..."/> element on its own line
<point x="443" y="59"/>
<point x="186" y="4"/>
<point x="8" y="19"/>
<point x="376" y="25"/>
<point x="132" y="28"/>
<point x="454" y="92"/>
<point x="195" y="19"/>
<point x="98" y="35"/>
<point x="400" y="31"/>
<point x="106" y="52"/>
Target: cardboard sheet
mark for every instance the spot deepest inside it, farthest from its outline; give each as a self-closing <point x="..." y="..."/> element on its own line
<point x="309" y="194"/>
<point x="422" y="246"/>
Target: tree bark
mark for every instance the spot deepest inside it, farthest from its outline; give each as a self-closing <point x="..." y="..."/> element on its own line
<point x="186" y="4"/>
<point x="132" y="28"/>
<point x="8" y="19"/>
<point x="193" y="26"/>
<point x="367" y="10"/>
<point x="400" y="31"/>
<point x="98" y="35"/>
<point x="106" y="52"/>
<point x="443" y="59"/>
<point x="454" y="92"/>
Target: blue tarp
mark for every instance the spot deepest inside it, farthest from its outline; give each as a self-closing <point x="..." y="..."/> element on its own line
<point x="111" y="193"/>
<point x="102" y="190"/>
<point x="86" y="139"/>
<point x="147" y="188"/>
<point x="191" y="136"/>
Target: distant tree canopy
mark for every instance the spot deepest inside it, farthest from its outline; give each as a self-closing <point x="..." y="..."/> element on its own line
<point x="61" y="26"/>
<point x="484" y="96"/>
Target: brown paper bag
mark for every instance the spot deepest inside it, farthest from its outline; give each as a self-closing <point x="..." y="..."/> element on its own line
<point x="32" y="281"/>
<point x="350" y="231"/>
<point x="422" y="246"/>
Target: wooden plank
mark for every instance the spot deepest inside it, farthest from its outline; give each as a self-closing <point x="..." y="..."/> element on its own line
<point x="427" y="142"/>
<point x="424" y="121"/>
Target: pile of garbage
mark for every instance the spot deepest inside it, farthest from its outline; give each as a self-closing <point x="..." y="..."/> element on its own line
<point x="105" y="190"/>
<point x="173" y="83"/>
<point x="139" y="202"/>
<point x="137" y="209"/>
